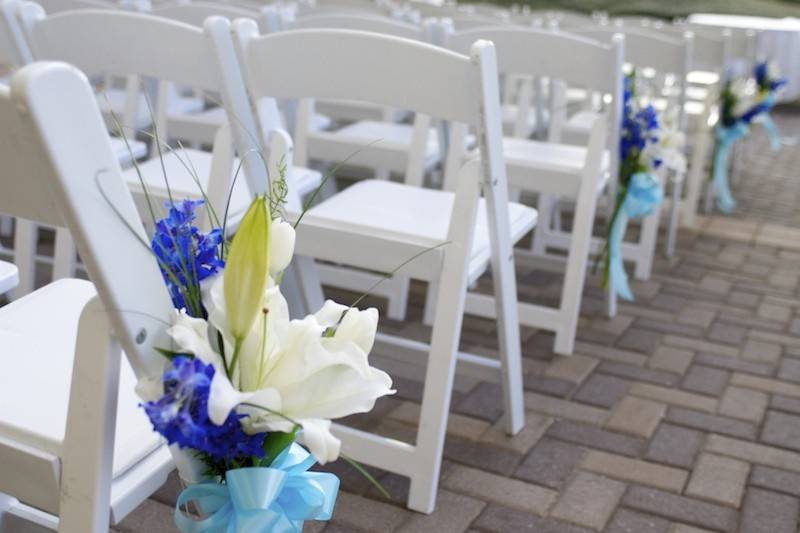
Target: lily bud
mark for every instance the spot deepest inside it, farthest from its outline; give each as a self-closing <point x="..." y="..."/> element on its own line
<point x="247" y="269"/>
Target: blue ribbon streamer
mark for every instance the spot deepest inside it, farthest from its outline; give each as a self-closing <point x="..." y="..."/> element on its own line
<point x="643" y="195"/>
<point x="726" y="137"/>
<point x="769" y="125"/>
<point x="277" y="499"/>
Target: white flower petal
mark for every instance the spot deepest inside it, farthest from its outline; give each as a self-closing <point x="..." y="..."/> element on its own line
<point x="223" y="398"/>
<point x="320" y="441"/>
<point x="191" y="335"/>
<point x="281" y="246"/>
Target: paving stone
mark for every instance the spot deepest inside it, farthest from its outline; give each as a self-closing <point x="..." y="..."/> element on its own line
<point x="769" y="512"/>
<point x="766" y="385"/>
<point x="761" y="352"/>
<point x="683" y="528"/>
<point x="706" y="380"/>
<point x="636" y="416"/>
<point x="725" y="333"/>
<point x="498" y="519"/>
<point x="589" y="500"/>
<point x="697" y="316"/>
<point x="550" y="463"/>
<point x="671" y="359"/>
<point x="669" y="327"/>
<point x="753" y="452"/>
<point x="680" y="508"/>
<point x="602" y="390"/>
<point x="790" y="370"/>
<point x="626" y="521"/>
<point x="454" y="513"/>
<point x="674" y="445"/>
<point x="574" y="368"/>
<point x="522" y="442"/>
<point x="718" y="479"/>
<point x="781" y="429"/>
<point x="549" y="386"/>
<point x="636" y="373"/>
<point x="709" y="422"/>
<point x="501" y="490"/>
<point x="730" y="363"/>
<point x="745" y="404"/>
<point x="151" y="516"/>
<point x="744" y="299"/>
<point x="558" y="408"/>
<point x="592" y="436"/>
<point x="610" y="353"/>
<point x="639" y="340"/>
<point x="484" y="401"/>
<point x="668" y="302"/>
<point x="458" y="425"/>
<point x="481" y="456"/>
<point x="701" y="346"/>
<point x="367" y="514"/>
<point x="778" y="313"/>
<point x="635" y="470"/>
<point x="674" y="397"/>
<point x="776" y="480"/>
<point x="784" y="403"/>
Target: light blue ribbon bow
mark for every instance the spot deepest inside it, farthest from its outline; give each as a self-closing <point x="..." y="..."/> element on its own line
<point x="643" y="195"/>
<point x="769" y="125"/>
<point x="726" y="137"/>
<point x="277" y="499"/>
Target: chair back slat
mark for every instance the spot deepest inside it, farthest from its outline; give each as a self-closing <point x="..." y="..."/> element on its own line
<point x="644" y="48"/>
<point x="14" y="49"/>
<point x="375" y="24"/>
<point x="399" y="69"/>
<point x="123" y="43"/>
<point x="576" y="60"/>
<point x="59" y="169"/>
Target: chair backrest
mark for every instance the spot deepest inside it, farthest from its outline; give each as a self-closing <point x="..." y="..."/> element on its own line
<point x="571" y="59"/>
<point x="195" y="13"/>
<point x="59" y="6"/>
<point x="14" y="49"/>
<point x="360" y="22"/>
<point x="59" y="169"/>
<point x="124" y="43"/>
<point x="383" y="70"/>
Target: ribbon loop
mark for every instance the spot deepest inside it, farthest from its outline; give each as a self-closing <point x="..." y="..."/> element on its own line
<point x="277" y="499"/>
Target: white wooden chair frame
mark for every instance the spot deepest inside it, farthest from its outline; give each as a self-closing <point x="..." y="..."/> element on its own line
<point x="348" y="73"/>
<point x="528" y="51"/>
<point x="63" y="169"/>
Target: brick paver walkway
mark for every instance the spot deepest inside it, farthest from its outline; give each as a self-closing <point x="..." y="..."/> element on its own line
<point x="681" y="415"/>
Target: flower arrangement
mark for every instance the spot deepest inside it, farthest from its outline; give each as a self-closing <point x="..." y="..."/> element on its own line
<point x="242" y="381"/>
<point x="742" y="101"/>
<point x="649" y="143"/>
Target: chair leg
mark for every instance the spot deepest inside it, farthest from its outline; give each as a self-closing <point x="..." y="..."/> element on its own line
<point x="674" y="211"/>
<point x="431" y="296"/>
<point x="539" y="243"/>
<point x="64" y="257"/>
<point x="398" y="301"/>
<point x="647" y="245"/>
<point x="88" y="451"/>
<point x="309" y="282"/>
<point x="25" y="236"/>
<point x="6" y="226"/>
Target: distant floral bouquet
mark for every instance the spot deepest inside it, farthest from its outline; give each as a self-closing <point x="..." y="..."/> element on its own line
<point x="742" y="101"/>
<point x="649" y="143"/>
<point x="243" y="381"/>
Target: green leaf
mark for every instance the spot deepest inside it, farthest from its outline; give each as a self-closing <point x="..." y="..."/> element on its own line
<point x="274" y="444"/>
<point x="172" y="354"/>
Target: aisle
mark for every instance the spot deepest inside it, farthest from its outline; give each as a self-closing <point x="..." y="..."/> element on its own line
<point x="685" y="409"/>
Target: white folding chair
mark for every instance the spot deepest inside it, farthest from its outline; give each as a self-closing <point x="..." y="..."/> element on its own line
<point x="73" y="441"/>
<point x="377" y="225"/>
<point x="557" y="170"/>
<point x="183" y="172"/>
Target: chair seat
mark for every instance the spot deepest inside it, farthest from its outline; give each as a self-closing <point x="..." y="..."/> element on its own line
<point x="9" y="276"/>
<point x="183" y="184"/>
<point x="349" y="111"/>
<point x="390" y="135"/>
<point x="38" y="334"/>
<point x="201" y="126"/>
<point x="114" y="100"/>
<point x="702" y="77"/>
<point x="127" y="152"/>
<point x="422" y="216"/>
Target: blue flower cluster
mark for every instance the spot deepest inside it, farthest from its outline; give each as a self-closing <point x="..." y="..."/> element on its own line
<point x="765" y="83"/>
<point x="185" y="255"/>
<point x="181" y="415"/>
<point x="638" y="125"/>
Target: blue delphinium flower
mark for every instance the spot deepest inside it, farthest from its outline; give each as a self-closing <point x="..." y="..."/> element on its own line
<point x="185" y="255"/>
<point x="181" y="415"/>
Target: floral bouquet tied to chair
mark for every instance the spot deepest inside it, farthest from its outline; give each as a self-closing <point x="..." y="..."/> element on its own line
<point x="243" y="381"/>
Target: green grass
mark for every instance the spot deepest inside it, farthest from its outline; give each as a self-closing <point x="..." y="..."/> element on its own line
<point x="668" y="8"/>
